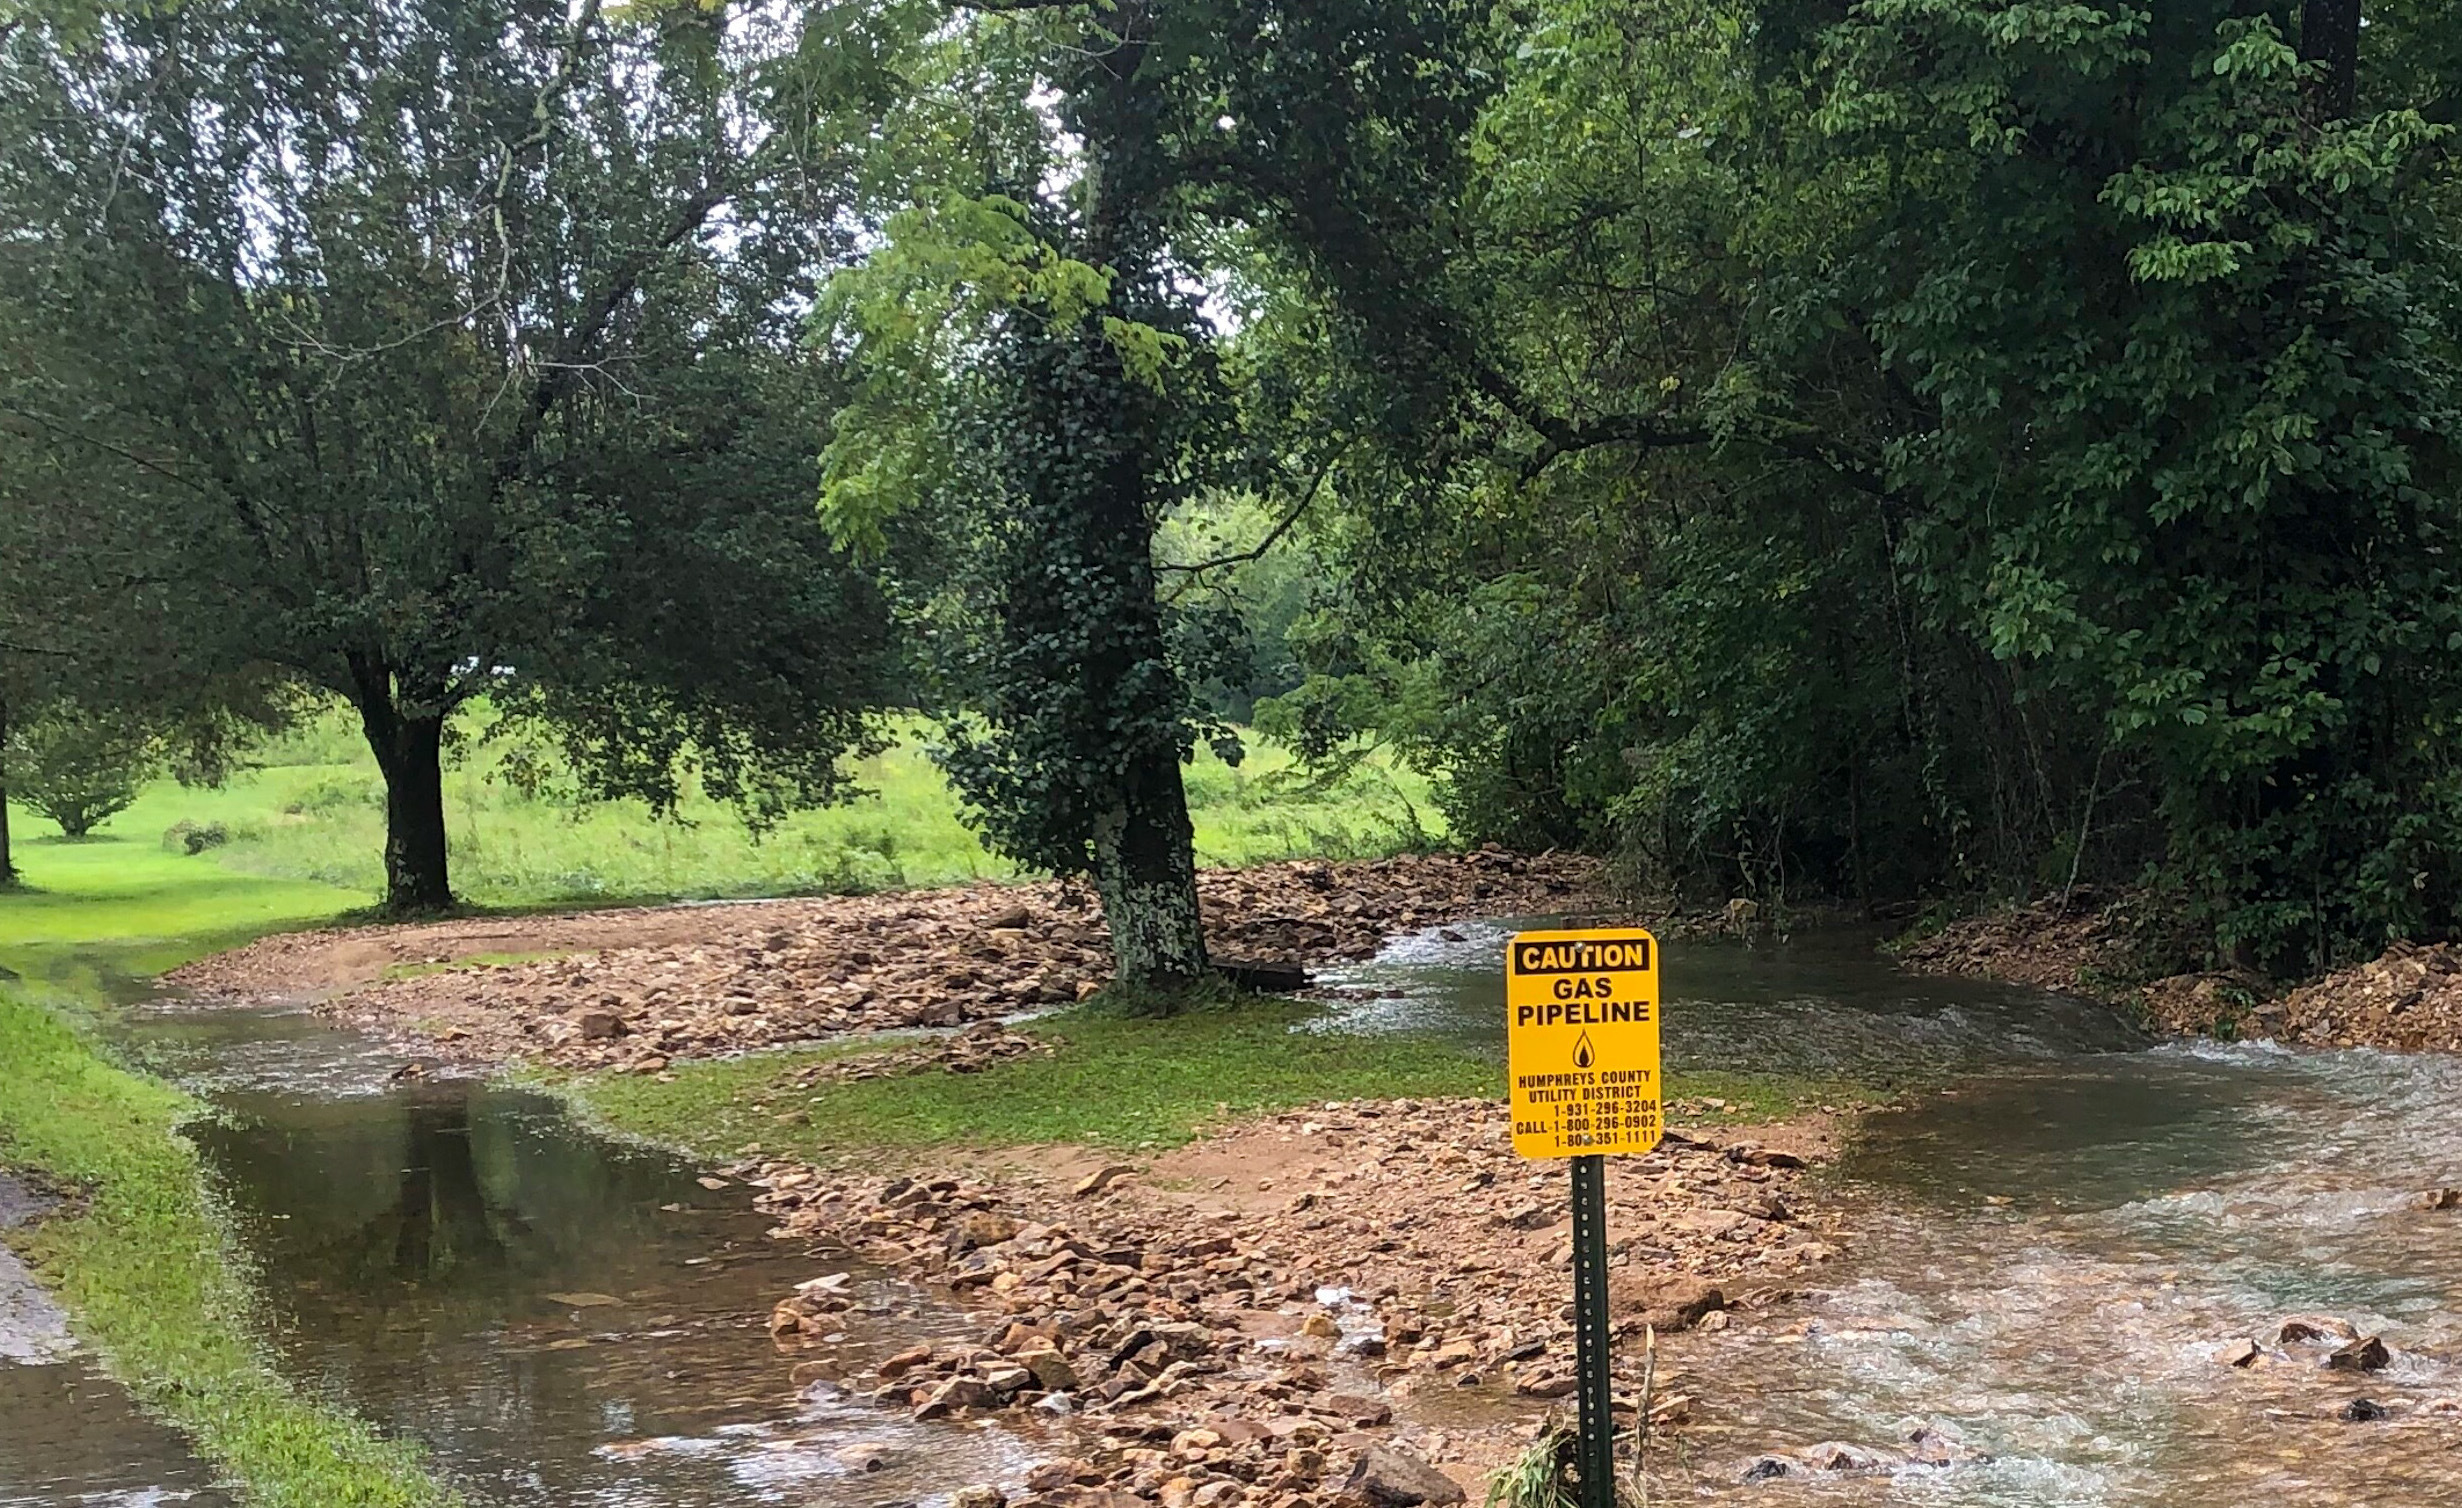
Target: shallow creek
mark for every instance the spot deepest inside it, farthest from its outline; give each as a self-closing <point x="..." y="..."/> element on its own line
<point x="2052" y="1253"/>
<point x="2050" y="1256"/>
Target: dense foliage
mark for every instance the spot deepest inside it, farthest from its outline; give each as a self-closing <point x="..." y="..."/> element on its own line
<point x="1898" y="449"/>
<point x="1937" y="444"/>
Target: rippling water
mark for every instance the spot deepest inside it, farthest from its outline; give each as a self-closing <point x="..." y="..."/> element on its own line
<point x="2055" y="1249"/>
<point x="2052" y="1252"/>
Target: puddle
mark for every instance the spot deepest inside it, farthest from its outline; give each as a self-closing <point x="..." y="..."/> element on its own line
<point x="557" y="1318"/>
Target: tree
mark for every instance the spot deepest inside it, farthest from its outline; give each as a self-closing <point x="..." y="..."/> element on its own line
<point x="1969" y="431"/>
<point x="439" y="339"/>
<point x="79" y="766"/>
<point x="1041" y="378"/>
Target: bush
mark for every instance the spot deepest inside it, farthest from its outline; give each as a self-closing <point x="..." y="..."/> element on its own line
<point x="80" y="767"/>
<point x="191" y="838"/>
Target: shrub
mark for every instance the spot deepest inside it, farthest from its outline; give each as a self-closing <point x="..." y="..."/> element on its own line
<point x="188" y="837"/>
<point x="80" y="767"/>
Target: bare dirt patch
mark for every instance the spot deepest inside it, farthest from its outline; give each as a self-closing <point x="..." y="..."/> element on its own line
<point x="642" y="988"/>
<point x="1310" y="1298"/>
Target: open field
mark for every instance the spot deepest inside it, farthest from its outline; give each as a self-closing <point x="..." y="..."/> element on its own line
<point x="309" y="822"/>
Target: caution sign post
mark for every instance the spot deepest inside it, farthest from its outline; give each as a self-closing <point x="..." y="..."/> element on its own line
<point x="1582" y="1062"/>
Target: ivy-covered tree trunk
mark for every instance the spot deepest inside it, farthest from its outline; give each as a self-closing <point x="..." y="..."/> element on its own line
<point x="8" y="858"/>
<point x="408" y="740"/>
<point x="1145" y="870"/>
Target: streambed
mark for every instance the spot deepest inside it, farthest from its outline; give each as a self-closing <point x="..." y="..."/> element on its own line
<point x="2051" y="1255"/>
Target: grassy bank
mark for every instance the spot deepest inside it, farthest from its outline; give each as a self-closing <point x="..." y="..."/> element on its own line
<point x="138" y="1257"/>
<point x="1127" y="1083"/>
<point x="141" y="1266"/>
<point x="311" y="815"/>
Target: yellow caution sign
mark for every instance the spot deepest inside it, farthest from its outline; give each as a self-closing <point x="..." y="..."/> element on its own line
<point x="1581" y="1042"/>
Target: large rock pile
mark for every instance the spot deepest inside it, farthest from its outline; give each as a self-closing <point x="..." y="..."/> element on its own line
<point x="766" y="974"/>
<point x="1255" y="1333"/>
<point x="2408" y="1000"/>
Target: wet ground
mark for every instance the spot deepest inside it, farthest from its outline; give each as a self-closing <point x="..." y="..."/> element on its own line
<point x="2052" y="1253"/>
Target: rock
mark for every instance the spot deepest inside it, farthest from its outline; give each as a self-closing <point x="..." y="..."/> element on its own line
<point x="905" y="1361"/>
<point x="985" y="1228"/>
<point x="1100" y="1179"/>
<point x="1322" y="1326"/>
<point x="1667" y="1301"/>
<point x="1362" y="1411"/>
<point x="1770" y="1469"/>
<point x="981" y="1495"/>
<point x="957" y="1393"/>
<point x="600" y="1025"/>
<point x="2441" y="1199"/>
<point x="866" y="1456"/>
<point x="1264" y="978"/>
<point x="1008" y="919"/>
<point x="1007" y="1382"/>
<point x="2240" y="1353"/>
<point x="1545" y="1384"/>
<point x="2364" y="1355"/>
<point x="2363" y="1411"/>
<point x="1051" y="1370"/>
<point x="2314" y="1327"/>
<point x="1392" y="1477"/>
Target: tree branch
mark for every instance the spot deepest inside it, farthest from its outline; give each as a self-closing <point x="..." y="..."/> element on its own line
<point x="1274" y="535"/>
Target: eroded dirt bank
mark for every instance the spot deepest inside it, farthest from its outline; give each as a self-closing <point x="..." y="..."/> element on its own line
<point x="2409" y="999"/>
<point x="637" y="989"/>
<point x="1314" y="1306"/>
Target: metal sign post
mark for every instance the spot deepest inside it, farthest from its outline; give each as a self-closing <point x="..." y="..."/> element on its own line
<point x="1590" y="1331"/>
<point x="1582" y="1060"/>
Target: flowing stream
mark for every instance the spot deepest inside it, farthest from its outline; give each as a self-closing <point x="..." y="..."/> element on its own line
<point x="2049" y="1257"/>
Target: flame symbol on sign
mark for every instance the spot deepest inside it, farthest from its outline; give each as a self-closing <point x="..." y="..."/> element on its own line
<point x="1583" y="1057"/>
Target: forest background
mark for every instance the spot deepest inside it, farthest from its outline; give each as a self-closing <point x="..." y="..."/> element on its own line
<point x="1904" y="452"/>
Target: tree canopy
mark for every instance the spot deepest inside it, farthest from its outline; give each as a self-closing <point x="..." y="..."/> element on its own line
<point x="1898" y="449"/>
<point x="459" y="344"/>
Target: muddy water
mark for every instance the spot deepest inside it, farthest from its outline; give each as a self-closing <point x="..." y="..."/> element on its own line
<point x="2054" y="1252"/>
<point x="558" y="1319"/>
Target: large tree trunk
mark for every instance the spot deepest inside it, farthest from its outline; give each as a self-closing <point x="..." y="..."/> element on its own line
<point x="409" y="748"/>
<point x="1146" y="873"/>
<point x="8" y="858"/>
<point x="2329" y="34"/>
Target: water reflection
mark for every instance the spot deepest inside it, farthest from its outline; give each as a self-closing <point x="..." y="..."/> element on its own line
<point x="70" y="1438"/>
<point x="559" y="1319"/>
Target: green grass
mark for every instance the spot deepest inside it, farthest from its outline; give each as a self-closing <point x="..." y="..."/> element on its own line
<point x="141" y="1266"/>
<point x="1118" y="1081"/>
<point x="311" y="817"/>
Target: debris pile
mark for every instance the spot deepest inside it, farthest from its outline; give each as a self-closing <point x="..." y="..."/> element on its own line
<point x="771" y="973"/>
<point x="1255" y="1310"/>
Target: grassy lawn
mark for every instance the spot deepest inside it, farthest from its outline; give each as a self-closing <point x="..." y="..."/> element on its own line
<point x="307" y="825"/>
<point x="1129" y="1083"/>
